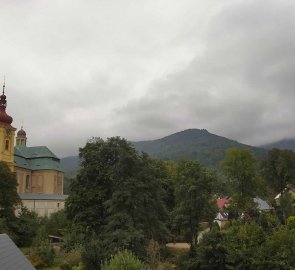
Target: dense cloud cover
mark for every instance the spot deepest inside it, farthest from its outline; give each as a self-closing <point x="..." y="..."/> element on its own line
<point x="145" y="69"/>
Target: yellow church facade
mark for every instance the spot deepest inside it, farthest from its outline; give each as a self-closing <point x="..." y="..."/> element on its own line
<point x="38" y="171"/>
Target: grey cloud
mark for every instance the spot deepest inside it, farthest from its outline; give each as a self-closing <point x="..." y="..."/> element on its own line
<point x="241" y="87"/>
<point x="144" y="69"/>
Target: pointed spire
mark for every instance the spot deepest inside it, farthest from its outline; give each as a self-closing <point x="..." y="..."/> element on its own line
<point x="4" y="117"/>
<point x="3" y="86"/>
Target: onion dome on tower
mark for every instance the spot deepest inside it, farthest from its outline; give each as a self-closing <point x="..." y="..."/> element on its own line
<point x="21" y="133"/>
<point x="4" y="117"/>
<point x="21" y="137"/>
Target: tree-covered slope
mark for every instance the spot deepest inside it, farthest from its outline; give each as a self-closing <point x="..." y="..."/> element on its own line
<point x="70" y="166"/>
<point x="282" y="144"/>
<point x="195" y="144"/>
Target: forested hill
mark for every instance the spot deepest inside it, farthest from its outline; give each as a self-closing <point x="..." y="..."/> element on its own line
<point x="70" y="165"/>
<point x="196" y="144"/>
<point x="282" y="144"/>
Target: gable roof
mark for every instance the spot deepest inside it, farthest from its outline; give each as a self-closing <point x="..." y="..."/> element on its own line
<point x="262" y="205"/>
<point x="36" y="158"/>
<point x="222" y="216"/>
<point x="11" y="258"/>
<point x="221" y="202"/>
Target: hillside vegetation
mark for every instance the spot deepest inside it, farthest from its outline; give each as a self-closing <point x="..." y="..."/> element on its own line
<point x="282" y="144"/>
<point x="193" y="144"/>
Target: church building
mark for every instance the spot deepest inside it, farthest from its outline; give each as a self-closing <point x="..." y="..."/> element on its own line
<point x="38" y="170"/>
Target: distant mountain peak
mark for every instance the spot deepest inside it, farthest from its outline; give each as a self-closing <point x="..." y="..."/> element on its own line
<point x="198" y="144"/>
<point x="194" y="144"/>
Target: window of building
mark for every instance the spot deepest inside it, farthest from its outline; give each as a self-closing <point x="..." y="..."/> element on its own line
<point x="6" y="144"/>
<point x="27" y="182"/>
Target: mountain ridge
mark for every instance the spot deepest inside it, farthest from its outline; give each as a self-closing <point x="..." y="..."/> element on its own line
<point x="195" y="144"/>
<point x="282" y="144"/>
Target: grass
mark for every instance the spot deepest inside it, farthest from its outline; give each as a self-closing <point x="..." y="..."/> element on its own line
<point x="25" y="250"/>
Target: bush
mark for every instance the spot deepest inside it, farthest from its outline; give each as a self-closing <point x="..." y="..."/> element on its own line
<point x="78" y="267"/>
<point x="93" y="253"/>
<point x="41" y="253"/>
<point x="124" y="260"/>
<point x="42" y="256"/>
<point x="291" y="222"/>
<point x="71" y="259"/>
<point x="57" y="223"/>
<point x="153" y="253"/>
<point x="26" y="226"/>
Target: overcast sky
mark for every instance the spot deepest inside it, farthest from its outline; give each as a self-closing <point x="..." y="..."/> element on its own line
<point x="143" y="69"/>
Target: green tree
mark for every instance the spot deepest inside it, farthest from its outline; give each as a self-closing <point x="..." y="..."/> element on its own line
<point x="278" y="251"/>
<point x="26" y="226"/>
<point x="41" y="252"/>
<point x="92" y="186"/>
<point x="193" y="186"/>
<point x="285" y="208"/>
<point x="118" y="195"/>
<point x="278" y="169"/>
<point x="242" y="242"/>
<point x="124" y="260"/>
<point x="57" y="223"/>
<point x="212" y="252"/>
<point x="136" y="211"/>
<point x="239" y="165"/>
<point x="9" y="198"/>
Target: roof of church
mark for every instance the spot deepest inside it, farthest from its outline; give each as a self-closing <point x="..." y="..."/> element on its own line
<point x="36" y="158"/>
<point x="35" y="196"/>
<point x="11" y="257"/>
<point x="33" y="152"/>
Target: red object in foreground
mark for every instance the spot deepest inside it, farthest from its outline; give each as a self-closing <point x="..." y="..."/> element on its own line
<point x="221" y="202"/>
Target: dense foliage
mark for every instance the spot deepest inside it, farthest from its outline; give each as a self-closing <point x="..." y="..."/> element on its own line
<point x="192" y="144"/>
<point x="118" y="198"/>
<point x="124" y="260"/>
<point x="9" y="198"/>
<point x="245" y="245"/>
<point x="124" y="200"/>
<point x="239" y="166"/>
<point x="123" y="207"/>
<point x="279" y="169"/>
<point x="193" y="204"/>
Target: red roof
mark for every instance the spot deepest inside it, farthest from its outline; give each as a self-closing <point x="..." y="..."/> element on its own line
<point x="221" y="202"/>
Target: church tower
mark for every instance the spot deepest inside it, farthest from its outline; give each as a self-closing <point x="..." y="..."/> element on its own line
<point x="21" y="137"/>
<point x="7" y="133"/>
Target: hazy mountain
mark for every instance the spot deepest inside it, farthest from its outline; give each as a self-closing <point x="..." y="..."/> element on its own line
<point x="282" y="144"/>
<point x="195" y="144"/>
<point x="70" y="165"/>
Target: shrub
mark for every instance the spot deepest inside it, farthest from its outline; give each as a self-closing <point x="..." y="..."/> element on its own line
<point x="41" y="253"/>
<point x="153" y="253"/>
<point x="78" y="267"/>
<point x="124" y="260"/>
<point x="71" y="259"/>
<point x="291" y="222"/>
